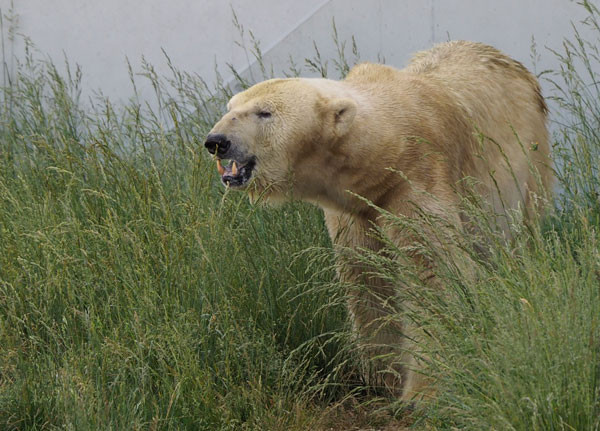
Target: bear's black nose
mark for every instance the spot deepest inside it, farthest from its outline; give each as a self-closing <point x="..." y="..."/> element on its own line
<point x="217" y="142"/>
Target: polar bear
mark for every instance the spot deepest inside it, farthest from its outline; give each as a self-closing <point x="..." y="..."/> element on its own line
<point x="390" y="137"/>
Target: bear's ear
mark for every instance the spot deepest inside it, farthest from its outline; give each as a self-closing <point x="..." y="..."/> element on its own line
<point x="341" y="113"/>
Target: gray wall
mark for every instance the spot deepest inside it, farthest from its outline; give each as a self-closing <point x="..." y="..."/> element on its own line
<point x="100" y="35"/>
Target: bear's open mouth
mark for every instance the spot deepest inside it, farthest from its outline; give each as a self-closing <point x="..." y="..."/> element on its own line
<point x="236" y="174"/>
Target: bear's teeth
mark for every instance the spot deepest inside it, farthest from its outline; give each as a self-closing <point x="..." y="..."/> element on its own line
<point x="234" y="169"/>
<point x="220" y="167"/>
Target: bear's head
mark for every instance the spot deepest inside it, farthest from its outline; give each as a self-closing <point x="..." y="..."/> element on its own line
<point x="276" y="136"/>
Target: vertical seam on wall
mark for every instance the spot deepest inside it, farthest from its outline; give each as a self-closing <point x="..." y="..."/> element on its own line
<point x="281" y="39"/>
<point x="302" y="21"/>
<point x="432" y="16"/>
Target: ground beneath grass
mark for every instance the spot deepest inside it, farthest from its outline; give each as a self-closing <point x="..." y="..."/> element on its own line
<point x="354" y="415"/>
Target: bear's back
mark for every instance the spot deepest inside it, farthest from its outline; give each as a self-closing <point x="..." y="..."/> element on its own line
<point x="456" y="84"/>
<point x="464" y="65"/>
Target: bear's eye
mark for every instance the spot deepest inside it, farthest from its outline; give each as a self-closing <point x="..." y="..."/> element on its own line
<point x="264" y="114"/>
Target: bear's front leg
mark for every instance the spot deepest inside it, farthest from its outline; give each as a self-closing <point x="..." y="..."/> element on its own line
<point x="387" y="343"/>
<point x="376" y="322"/>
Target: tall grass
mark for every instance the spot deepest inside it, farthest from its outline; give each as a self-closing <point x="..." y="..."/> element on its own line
<point x="513" y="339"/>
<point x="137" y="293"/>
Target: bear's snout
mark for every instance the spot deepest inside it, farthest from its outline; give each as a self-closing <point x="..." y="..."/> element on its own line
<point x="217" y="143"/>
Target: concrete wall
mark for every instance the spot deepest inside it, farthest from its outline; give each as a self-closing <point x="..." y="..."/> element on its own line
<point x="100" y="35"/>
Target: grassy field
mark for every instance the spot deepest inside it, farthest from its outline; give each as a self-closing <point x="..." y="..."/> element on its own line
<point x="137" y="293"/>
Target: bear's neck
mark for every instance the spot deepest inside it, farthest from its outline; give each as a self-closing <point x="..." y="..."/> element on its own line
<point x="351" y="175"/>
